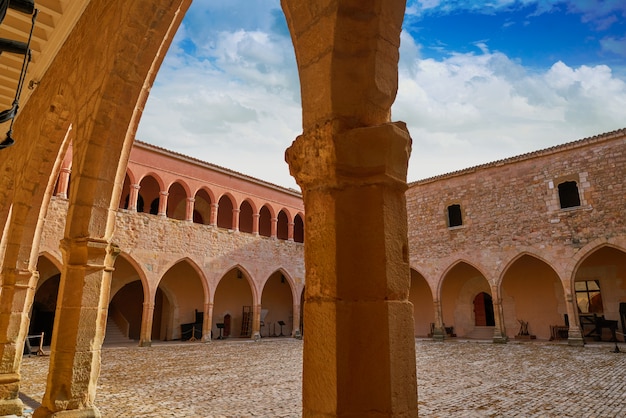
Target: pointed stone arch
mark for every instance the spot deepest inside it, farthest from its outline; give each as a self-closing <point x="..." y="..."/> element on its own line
<point x="421" y="296"/>
<point x="460" y="285"/>
<point x="531" y="291"/>
<point x="234" y="294"/>
<point x="184" y="283"/>
<point x="277" y="303"/>
<point x="599" y="290"/>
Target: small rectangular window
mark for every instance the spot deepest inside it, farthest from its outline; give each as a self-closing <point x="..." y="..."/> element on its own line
<point x="568" y="195"/>
<point x="454" y="216"/>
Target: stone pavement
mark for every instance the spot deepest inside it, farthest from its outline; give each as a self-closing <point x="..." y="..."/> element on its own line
<point x="241" y="378"/>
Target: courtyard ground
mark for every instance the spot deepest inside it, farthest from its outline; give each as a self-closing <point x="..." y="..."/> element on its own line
<point x="243" y="378"/>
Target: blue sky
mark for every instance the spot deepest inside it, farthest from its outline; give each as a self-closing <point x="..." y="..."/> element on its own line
<point x="478" y="81"/>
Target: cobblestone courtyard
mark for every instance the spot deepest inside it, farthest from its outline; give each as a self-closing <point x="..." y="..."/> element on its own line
<point x="241" y="378"/>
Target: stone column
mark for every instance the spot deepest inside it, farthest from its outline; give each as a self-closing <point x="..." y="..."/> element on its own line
<point x="499" y="331"/>
<point x="214" y="209"/>
<point x="189" y="209"/>
<point x="79" y="327"/>
<point x="163" y="203"/>
<point x="359" y="351"/>
<point x="574" y="334"/>
<point x="295" y="332"/>
<point x="16" y="297"/>
<point x="351" y="164"/>
<point x="256" y="321"/>
<point x="147" y="319"/>
<point x="64" y="182"/>
<point x="273" y="227"/>
<point x="290" y="231"/>
<point x="133" y="197"/>
<point x="236" y="212"/>
<point x="255" y="223"/>
<point x="439" y="333"/>
<point x="207" y="322"/>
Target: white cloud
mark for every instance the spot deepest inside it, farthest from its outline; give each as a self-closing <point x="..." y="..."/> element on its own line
<point x="236" y="103"/>
<point x="472" y="109"/>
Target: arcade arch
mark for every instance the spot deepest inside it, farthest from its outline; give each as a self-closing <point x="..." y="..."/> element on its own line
<point x="232" y="305"/>
<point x="177" y="202"/>
<point x="183" y="298"/>
<point x="225" y="212"/>
<point x="421" y="297"/>
<point x="532" y="292"/>
<point x="599" y="289"/>
<point x="460" y="286"/>
<point x="149" y="194"/>
<point x="277" y="306"/>
<point x="202" y="208"/>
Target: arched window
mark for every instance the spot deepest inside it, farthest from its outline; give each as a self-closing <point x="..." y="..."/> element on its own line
<point x="245" y="217"/>
<point x="265" y="222"/>
<point x="225" y="213"/>
<point x="282" y="228"/>
<point x="202" y="208"/>
<point x="298" y="229"/>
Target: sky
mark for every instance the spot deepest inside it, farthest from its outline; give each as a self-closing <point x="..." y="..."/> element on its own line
<point x="479" y="81"/>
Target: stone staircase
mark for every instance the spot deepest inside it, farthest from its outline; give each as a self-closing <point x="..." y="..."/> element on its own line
<point x="114" y="335"/>
<point x="481" y="333"/>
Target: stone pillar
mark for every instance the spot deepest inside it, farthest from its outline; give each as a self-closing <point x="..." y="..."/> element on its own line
<point x="256" y="321"/>
<point x="64" y="182"/>
<point x="499" y="331"/>
<point x="214" y="209"/>
<point x="133" y="197"/>
<point x="16" y="297"/>
<point x="439" y="333"/>
<point x="255" y="223"/>
<point x="189" y="209"/>
<point x="207" y="322"/>
<point x="147" y="318"/>
<point x="359" y="351"/>
<point x="273" y="227"/>
<point x="290" y="231"/>
<point x="163" y="203"/>
<point x="236" y="212"/>
<point x="574" y="334"/>
<point x="295" y="331"/>
<point x="79" y="327"/>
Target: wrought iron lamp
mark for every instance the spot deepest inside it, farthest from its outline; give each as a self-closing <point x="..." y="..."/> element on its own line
<point x="20" y="48"/>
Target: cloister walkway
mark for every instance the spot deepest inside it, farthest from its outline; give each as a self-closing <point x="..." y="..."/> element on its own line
<point x="241" y="378"/>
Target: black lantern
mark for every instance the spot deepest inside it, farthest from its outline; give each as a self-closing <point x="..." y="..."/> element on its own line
<point x="16" y="47"/>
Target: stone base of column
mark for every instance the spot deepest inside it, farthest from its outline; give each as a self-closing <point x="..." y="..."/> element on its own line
<point x="144" y="343"/>
<point x="499" y="337"/>
<point x="10" y="403"/>
<point x="438" y="334"/>
<point x="92" y="412"/>
<point x="11" y="407"/>
<point x="575" y="337"/>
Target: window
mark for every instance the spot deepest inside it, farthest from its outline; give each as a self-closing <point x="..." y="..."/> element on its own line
<point x="568" y="194"/>
<point x="454" y="216"/>
<point x="588" y="297"/>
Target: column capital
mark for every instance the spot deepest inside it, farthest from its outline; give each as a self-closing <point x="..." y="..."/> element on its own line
<point x="364" y="156"/>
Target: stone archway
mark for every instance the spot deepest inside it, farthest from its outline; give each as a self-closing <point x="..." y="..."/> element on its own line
<point x="421" y="297"/>
<point x="459" y="288"/>
<point x="600" y="291"/>
<point x="234" y="297"/>
<point x="532" y="292"/>
<point x="277" y="306"/>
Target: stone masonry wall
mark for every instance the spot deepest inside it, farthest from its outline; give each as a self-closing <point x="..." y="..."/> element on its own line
<point x="510" y="207"/>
